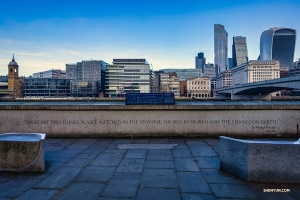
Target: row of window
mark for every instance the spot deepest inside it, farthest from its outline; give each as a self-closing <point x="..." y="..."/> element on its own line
<point x="199" y="88"/>
<point x="199" y="83"/>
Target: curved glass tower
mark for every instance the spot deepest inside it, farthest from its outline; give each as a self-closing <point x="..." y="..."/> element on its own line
<point x="278" y="44"/>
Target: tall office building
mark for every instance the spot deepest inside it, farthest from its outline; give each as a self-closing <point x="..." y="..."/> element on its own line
<point x="210" y="70"/>
<point x="220" y="48"/>
<point x="127" y="76"/>
<point x="200" y="61"/>
<point x="239" y="51"/>
<point x="88" y="77"/>
<point x="278" y="44"/>
<point x="230" y="63"/>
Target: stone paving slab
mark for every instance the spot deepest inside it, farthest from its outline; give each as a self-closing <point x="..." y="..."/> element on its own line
<point x="96" y="169"/>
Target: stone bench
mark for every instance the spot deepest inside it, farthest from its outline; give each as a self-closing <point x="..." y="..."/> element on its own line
<point x="261" y="160"/>
<point x="22" y="152"/>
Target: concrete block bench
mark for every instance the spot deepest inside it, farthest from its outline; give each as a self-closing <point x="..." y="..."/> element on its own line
<point x="22" y="152"/>
<point x="261" y="160"/>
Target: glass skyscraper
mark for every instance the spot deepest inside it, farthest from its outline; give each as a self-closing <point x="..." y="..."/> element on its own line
<point x="220" y="48"/>
<point x="278" y="44"/>
<point x="200" y="61"/>
<point x="239" y="51"/>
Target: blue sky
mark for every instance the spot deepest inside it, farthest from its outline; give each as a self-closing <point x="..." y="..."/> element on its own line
<point x="47" y="35"/>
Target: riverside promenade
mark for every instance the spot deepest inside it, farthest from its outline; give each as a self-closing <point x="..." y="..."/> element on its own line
<point x="152" y="168"/>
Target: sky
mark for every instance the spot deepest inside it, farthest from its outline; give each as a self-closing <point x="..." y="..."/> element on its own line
<point x="47" y="35"/>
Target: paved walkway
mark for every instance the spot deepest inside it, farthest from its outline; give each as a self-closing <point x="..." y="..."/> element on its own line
<point x="99" y="169"/>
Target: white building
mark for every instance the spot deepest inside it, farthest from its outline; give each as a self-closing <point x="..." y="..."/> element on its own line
<point x="198" y="87"/>
<point x="52" y="73"/>
<point x="224" y="79"/>
<point x="169" y="83"/>
<point x="255" y="71"/>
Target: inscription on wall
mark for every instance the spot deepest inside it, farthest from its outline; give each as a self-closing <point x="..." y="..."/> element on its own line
<point x="259" y="125"/>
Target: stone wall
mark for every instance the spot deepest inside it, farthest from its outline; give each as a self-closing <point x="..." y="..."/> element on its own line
<point x="152" y="120"/>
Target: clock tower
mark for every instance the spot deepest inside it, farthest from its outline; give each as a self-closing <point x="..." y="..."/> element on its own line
<point x="15" y="83"/>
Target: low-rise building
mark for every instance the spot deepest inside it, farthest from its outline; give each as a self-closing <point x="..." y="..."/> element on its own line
<point x="46" y="88"/>
<point x="223" y="79"/>
<point x="169" y="83"/>
<point x="199" y="87"/>
<point x="52" y="73"/>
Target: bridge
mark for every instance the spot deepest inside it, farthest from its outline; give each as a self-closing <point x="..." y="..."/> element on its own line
<point x="259" y="90"/>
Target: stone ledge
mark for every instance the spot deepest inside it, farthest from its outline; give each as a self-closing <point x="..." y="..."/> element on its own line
<point x="261" y="160"/>
<point x="22" y="152"/>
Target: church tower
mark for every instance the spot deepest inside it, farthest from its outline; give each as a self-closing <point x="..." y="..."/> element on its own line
<point x="15" y="83"/>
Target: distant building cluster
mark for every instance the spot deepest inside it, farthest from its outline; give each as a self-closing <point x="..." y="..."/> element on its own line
<point x="97" y="78"/>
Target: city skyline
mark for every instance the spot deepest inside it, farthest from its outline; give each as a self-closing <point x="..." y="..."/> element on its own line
<point x="44" y="36"/>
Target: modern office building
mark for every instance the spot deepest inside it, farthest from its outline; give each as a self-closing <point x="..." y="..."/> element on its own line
<point x="239" y="51"/>
<point x="200" y="61"/>
<point x="255" y="71"/>
<point x="127" y="76"/>
<point x="88" y="78"/>
<point x="46" y="88"/>
<point x="295" y="69"/>
<point x="52" y="73"/>
<point x="155" y="81"/>
<point x="184" y="74"/>
<point x="230" y="63"/>
<point x="198" y="87"/>
<point x="209" y="70"/>
<point x="224" y="79"/>
<point x="71" y="71"/>
<point x="220" y="48"/>
<point x="169" y="83"/>
<point x="278" y="44"/>
<point x="85" y="88"/>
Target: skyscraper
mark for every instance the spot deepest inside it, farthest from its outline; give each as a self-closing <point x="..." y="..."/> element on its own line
<point x="278" y="44"/>
<point x="200" y="61"/>
<point x="239" y="51"/>
<point x="220" y="48"/>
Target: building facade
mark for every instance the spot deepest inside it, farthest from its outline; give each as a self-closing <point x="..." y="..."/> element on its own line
<point x="71" y="71"/>
<point x="230" y="63"/>
<point x="184" y="74"/>
<point x="88" y="78"/>
<point x="295" y="69"/>
<point x="127" y="76"/>
<point x="278" y="44"/>
<point x="15" y="83"/>
<point x="199" y="87"/>
<point x="220" y="48"/>
<point x="200" y="61"/>
<point x="209" y="70"/>
<point x="239" y="51"/>
<point x="255" y="71"/>
<point x="224" y="79"/>
<point x="52" y="73"/>
<point x="169" y="83"/>
<point x="46" y="88"/>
